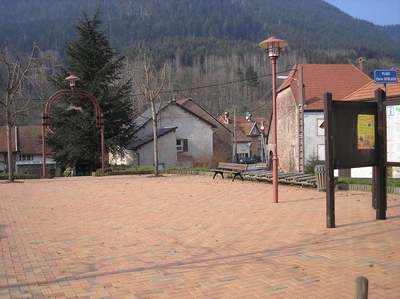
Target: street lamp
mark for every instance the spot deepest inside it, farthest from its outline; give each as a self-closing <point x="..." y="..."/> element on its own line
<point x="272" y="46"/>
<point x="72" y="79"/>
<point x="262" y="153"/>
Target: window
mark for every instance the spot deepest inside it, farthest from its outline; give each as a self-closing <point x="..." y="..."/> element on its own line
<point x="321" y="152"/>
<point x="243" y="155"/>
<point x="320" y="131"/>
<point x="182" y="145"/>
<point x="25" y="157"/>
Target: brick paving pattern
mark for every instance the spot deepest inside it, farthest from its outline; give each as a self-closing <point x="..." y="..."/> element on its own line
<point x="190" y="237"/>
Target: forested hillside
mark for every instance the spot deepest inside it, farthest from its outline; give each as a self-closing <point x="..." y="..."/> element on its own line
<point x="306" y="24"/>
<point x="205" y="42"/>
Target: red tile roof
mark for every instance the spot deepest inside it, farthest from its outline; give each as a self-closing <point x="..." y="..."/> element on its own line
<point x="29" y="139"/>
<point x="245" y="127"/>
<point x="339" y="79"/>
<point x="367" y="92"/>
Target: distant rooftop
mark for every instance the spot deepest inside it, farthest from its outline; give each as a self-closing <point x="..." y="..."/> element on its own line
<point x="339" y="79"/>
<point x="367" y="92"/>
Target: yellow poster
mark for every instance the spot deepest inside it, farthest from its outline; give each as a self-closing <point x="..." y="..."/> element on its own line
<point x="365" y="131"/>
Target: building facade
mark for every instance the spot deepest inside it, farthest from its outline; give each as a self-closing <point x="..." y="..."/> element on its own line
<point x="249" y="137"/>
<point x="300" y="110"/>
<point x="198" y="139"/>
<point x="27" y="151"/>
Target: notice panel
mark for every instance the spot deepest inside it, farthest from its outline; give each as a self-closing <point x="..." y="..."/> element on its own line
<point x="354" y="134"/>
<point x="393" y="133"/>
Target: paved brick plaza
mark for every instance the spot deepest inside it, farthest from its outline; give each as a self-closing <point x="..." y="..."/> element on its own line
<point x="190" y="237"/>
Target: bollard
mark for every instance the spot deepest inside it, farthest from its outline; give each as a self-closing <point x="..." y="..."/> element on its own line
<point x="361" y="288"/>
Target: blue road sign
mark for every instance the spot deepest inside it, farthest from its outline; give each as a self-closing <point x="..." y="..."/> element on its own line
<point x="385" y="76"/>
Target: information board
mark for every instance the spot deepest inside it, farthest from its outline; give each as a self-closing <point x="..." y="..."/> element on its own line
<point x="393" y="133"/>
<point x="354" y="134"/>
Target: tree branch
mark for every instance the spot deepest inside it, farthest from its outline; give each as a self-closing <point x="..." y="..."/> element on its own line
<point x="20" y="75"/>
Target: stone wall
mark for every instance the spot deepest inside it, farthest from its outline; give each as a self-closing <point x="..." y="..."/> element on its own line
<point x="287" y="127"/>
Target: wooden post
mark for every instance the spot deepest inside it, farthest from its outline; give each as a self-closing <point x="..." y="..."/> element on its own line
<point x="375" y="171"/>
<point x="361" y="288"/>
<point x="44" y="124"/>
<point x="329" y="162"/>
<point x="234" y="156"/>
<point x="380" y="185"/>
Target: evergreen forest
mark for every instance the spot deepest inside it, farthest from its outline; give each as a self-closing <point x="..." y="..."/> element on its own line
<point x="209" y="46"/>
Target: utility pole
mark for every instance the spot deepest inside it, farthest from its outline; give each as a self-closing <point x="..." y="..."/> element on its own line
<point x="301" y="120"/>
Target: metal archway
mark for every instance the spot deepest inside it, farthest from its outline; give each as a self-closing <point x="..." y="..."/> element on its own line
<point x="46" y="120"/>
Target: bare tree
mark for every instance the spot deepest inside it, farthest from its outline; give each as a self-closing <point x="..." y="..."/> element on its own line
<point x="16" y="73"/>
<point x="150" y="85"/>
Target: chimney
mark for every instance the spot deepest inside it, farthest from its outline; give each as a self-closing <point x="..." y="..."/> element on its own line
<point x="248" y="116"/>
<point x="262" y="127"/>
<point x="361" y="63"/>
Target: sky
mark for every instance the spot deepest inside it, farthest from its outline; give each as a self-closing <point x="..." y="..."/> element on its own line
<point x="379" y="12"/>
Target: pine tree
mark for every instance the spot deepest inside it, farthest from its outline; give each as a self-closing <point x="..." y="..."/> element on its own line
<point x="75" y="140"/>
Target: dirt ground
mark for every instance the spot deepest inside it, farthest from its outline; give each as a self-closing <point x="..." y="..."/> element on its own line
<point x="190" y="237"/>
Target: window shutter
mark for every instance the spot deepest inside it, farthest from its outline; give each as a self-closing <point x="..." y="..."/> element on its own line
<point x="185" y="145"/>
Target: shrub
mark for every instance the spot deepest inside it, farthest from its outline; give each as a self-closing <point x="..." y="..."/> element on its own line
<point x="311" y="163"/>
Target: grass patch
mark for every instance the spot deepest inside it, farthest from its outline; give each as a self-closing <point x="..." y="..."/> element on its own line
<point x="366" y="181"/>
<point x="19" y="176"/>
<point x="191" y="169"/>
<point x="135" y="170"/>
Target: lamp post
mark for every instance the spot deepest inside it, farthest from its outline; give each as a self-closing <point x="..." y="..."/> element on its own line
<point x="272" y="46"/>
<point x="262" y="145"/>
<point x="71" y="80"/>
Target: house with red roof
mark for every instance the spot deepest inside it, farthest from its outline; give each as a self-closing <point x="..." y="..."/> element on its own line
<point x="367" y="92"/>
<point x="249" y="136"/>
<point x="27" y="150"/>
<point x="300" y="108"/>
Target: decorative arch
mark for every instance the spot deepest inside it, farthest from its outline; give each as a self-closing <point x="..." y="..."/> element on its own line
<point x="46" y="120"/>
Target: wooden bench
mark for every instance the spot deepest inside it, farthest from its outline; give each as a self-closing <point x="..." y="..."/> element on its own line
<point x="256" y="167"/>
<point x="233" y="168"/>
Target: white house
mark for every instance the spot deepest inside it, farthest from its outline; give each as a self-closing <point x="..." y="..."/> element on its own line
<point x="189" y="136"/>
<point x="142" y="152"/>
